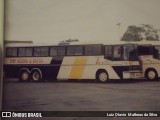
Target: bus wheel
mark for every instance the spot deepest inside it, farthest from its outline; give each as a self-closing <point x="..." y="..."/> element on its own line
<point x="36" y="75"/>
<point x="102" y="76"/>
<point x="24" y="75"/>
<point x="151" y="74"/>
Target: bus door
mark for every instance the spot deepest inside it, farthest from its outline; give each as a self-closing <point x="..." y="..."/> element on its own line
<point x="134" y="65"/>
<point x="144" y="53"/>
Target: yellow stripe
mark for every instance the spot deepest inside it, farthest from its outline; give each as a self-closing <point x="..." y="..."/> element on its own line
<point x="78" y="68"/>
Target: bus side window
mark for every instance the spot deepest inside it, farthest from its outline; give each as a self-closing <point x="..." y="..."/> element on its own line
<point x="78" y="50"/>
<point x="108" y="52"/>
<point x="70" y="50"/>
<point x="53" y="51"/>
<point x="40" y="51"/>
<point x="117" y="52"/>
<point x="61" y="51"/>
<point x="156" y="52"/>
<point x="28" y="52"/>
<point x="21" y="52"/>
<point x="44" y="51"/>
<point x="37" y="51"/>
<point x="93" y="50"/>
<point x="11" y="52"/>
<point x="97" y="50"/>
<point x="88" y="50"/>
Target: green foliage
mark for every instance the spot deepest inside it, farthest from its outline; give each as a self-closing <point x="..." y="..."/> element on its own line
<point x="142" y="32"/>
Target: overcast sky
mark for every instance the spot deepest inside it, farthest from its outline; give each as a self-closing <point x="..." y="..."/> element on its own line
<point x="87" y="20"/>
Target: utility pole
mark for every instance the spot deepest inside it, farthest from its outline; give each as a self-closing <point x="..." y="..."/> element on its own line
<point x="119" y="30"/>
<point x="1" y="48"/>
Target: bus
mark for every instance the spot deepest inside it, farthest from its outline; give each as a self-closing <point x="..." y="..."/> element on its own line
<point x="97" y="62"/>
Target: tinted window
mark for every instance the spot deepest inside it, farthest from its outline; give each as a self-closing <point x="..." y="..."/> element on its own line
<point x="108" y="52"/>
<point x="44" y="51"/>
<point x="156" y="52"/>
<point x="144" y="50"/>
<point x="61" y="50"/>
<point x="97" y="50"/>
<point x="88" y="50"/>
<point x="70" y="50"/>
<point x="11" y="52"/>
<point x="93" y="50"/>
<point x="28" y="52"/>
<point x="25" y="52"/>
<point x="53" y="51"/>
<point x="21" y="52"/>
<point x="117" y="52"/>
<point x="78" y="50"/>
<point x="41" y="51"/>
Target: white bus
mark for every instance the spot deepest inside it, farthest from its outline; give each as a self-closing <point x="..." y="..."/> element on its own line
<point x="86" y="61"/>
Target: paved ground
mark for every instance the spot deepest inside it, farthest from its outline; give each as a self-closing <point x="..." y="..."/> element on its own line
<point x="82" y="96"/>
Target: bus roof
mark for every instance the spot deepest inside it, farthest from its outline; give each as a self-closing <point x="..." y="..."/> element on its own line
<point x="143" y="42"/>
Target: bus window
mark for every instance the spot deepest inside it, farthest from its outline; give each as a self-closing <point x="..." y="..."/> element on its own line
<point x="88" y="50"/>
<point x="41" y="51"/>
<point x="53" y="51"/>
<point x="70" y="50"/>
<point x="93" y="50"/>
<point x="61" y="51"/>
<point x="44" y="51"/>
<point x="117" y="52"/>
<point x="129" y="52"/>
<point x="78" y="50"/>
<point x="97" y="50"/>
<point x="108" y="52"/>
<point x="156" y="52"/>
<point x="28" y="52"/>
<point x="37" y="51"/>
<point x="21" y="52"/>
<point x="144" y="50"/>
<point x="11" y="52"/>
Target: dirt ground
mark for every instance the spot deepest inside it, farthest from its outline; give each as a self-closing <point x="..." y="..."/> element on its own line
<point x="139" y="95"/>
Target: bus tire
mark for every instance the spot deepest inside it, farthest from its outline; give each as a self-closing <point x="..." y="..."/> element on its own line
<point x="151" y="74"/>
<point x="24" y="75"/>
<point x="102" y="76"/>
<point x="36" y="75"/>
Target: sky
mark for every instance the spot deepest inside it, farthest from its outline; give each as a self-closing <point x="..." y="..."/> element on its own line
<point x="52" y="21"/>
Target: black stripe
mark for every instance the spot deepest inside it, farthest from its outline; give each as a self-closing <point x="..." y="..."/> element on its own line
<point x="120" y="69"/>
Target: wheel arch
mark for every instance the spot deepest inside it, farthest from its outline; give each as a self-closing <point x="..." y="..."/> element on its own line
<point x="24" y="69"/>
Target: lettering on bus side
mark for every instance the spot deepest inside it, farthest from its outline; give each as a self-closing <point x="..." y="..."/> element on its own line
<point x="37" y="61"/>
<point x="12" y="61"/>
<point x="22" y="61"/>
<point x="26" y="61"/>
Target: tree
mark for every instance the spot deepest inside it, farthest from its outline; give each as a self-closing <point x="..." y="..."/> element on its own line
<point x="142" y="32"/>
